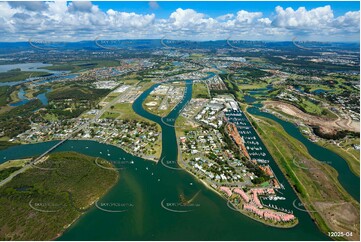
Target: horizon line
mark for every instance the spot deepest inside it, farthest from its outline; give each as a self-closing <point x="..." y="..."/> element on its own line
<point x="190" y="40"/>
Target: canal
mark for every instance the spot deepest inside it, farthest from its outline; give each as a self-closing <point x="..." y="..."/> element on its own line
<point x="146" y="184"/>
<point x="347" y="178"/>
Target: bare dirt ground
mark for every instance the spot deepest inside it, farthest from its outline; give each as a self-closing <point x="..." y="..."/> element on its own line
<point x="339" y="214"/>
<point x="327" y="125"/>
<point x="341" y="217"/>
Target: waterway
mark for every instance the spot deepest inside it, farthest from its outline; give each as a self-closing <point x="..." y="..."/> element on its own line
<point x="35" y="66"/>
<point x="24" y="100"/>
<point x="145" y="184"/>
<point x="53" y="76"/>
<point x="347" y="178"/>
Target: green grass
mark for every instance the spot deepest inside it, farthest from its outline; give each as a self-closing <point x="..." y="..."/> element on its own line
<point x="310" y="186"/>
<point x="126" y="112"/>
<point x="155" y="110"/>
<point x="145" y="85"/>
<point x="250" y="87"/>
<point x="233" y="87"/>
<point x="193" y="55"/>
<point x="110" y="115"/>
<point x="310" y="107"/>
<point x="50" y="117"/>
<point x="74" y="184"/>
<point x="200" y="90"/>
<point x="182" y="126"/>
<point x="328" y="113"/>
<point x="14" y="95"/>
<point x="109" y="98"/>
<point x="13" y="163"/>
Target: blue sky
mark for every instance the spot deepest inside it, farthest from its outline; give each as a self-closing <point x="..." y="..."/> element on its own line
<point x="216" y="8"/>
<point x="76" y="21"/>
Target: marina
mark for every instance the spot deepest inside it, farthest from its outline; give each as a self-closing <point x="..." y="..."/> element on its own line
<point x="254" y="146"/>
<point x="347" y="178"/>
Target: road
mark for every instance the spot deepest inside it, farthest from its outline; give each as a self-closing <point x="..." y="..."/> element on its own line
<point x="106" y="107"/>
<point x="31" y="163"/>
<point x="12" y="175"/>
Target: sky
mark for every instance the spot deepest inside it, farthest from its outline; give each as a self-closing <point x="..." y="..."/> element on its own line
<point x="251" y="20"/>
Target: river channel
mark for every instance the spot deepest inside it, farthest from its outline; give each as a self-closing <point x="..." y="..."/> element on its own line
<point x="347" y="178"/>
<point x="152" y="195"/>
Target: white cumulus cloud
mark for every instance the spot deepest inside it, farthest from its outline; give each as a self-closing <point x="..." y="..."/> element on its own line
<point x="248" y="17"/>
<point x="314" y="18"/>
<point x="75" y="21"/>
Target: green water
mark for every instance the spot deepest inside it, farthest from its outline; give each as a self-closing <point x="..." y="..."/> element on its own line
<point x="145" y="185"/>
<point x="347" y="178"/>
